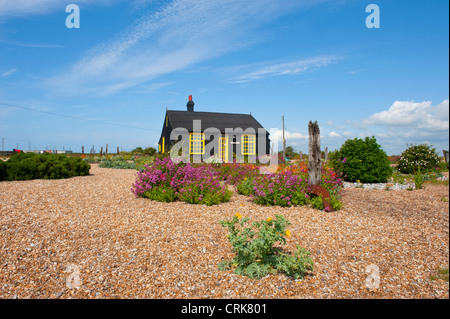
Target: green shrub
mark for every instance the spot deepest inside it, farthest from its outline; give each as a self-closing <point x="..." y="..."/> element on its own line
<point x="418" y="179"/>
<point x="362" y="160"/>
<point x="423" y="156"/>
<point x="256" y="255"/>
<point x="117" y="163"/>
<point x="44" y="166"/>
<point x="3" y="172"/>
<point x="246" y="187"/>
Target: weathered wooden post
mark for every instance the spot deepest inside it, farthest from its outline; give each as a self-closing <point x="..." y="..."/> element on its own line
<point x="106" y="151"/>
<point x="326" y="154"/>
<point x="315" y="176"/>
<point x="117" y="150"/>
<point x="101" y="151"/>
<point x="82" y="150"/>
<point x="315" y="169"/>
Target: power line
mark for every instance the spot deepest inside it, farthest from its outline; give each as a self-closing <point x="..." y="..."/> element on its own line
<point x="77" y="118"/>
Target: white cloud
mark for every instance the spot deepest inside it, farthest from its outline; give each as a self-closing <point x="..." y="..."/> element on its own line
<point x="416" y="115"/>
<point x="287" y="68"/>
<point x="289" y="135"/>
<point x="334" y="134"/>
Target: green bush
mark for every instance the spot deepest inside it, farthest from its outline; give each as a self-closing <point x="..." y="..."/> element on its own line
<point x="246" y="187"/>
<point x="256" y="255"/>
<point x="362" y="160"/>
<point x="26" y="166"/>
<point x="117" y="163"/>
<point x="3" y="172"/>
<point x="423" y="156"/>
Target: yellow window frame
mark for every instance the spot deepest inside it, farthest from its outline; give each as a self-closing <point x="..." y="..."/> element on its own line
<point x="196" y="143"/>
<point x="163" y="143"/>
<point x="248" y="144"/>
<point x="223" y="148"/>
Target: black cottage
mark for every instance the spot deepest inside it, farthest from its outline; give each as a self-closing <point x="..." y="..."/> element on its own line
<point x="241" y="134"/>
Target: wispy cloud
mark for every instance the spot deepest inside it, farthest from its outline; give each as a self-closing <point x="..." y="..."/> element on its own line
<point x="286" y="68"/>
<point x="178" y="35"/>
<point x="8" y="73"/>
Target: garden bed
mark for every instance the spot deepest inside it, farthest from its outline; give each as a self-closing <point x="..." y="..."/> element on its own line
<point x="128" y="247"/>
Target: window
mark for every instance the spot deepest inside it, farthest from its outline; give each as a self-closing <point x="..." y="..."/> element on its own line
<point x="223" y="148"/>
<point x="196" y="143"/>
<point x="248" y="145"/>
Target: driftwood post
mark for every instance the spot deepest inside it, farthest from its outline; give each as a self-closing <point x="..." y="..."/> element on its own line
<point x="326" y="154"/>
<point x="101" y="151"/>
<point x="82" y="150"/>
<point x="106" y="151"/>
<point x="314" y="154"/>
<point x="117" y="150"/>
<point x="315" y="171"/>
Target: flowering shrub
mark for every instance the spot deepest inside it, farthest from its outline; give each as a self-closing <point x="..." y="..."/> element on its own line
<point x="416" y="156"/>
<point x="235" y="173"/>
<point x="166" y="181"/>
<point x="256" y="255"/>
<point x="287" y="189"/>
<point x="206" y="184"/>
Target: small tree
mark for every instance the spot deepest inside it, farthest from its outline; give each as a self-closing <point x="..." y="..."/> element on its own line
<point x="362" y="160"/>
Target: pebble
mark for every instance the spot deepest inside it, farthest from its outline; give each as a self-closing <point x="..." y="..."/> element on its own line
<point x="127" y="247"/>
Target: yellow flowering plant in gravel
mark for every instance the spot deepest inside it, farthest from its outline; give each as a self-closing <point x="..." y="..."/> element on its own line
<point x="256" y="253"/>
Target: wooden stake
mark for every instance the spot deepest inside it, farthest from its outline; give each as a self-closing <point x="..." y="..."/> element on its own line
<point x="315" y="177"/>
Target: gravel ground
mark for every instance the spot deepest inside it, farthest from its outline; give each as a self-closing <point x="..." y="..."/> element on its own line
<point x="89" y="237"/>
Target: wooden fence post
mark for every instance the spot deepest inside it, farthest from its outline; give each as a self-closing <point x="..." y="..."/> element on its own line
<point x="101" y="151"/>
<point x="326" y="154"/>
<point x="82" y="150"/>
<point x="314" y="177"/>
<point x="106" y="151"/>
<point x="117" y="150"/>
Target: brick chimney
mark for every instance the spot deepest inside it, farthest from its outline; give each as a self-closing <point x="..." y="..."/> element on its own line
<point x="190" y="104"/>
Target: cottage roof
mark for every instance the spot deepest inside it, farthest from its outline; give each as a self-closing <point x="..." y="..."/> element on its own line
<point x="220" y="121"/>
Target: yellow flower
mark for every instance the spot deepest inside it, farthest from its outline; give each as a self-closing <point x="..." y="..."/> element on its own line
<point x="238" y="215"/>
<point x="269" y="219"/>
<point x="358" y="181"/>
<point x="288" y="233"/>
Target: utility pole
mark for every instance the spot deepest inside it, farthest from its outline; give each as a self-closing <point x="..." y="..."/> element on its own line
<point x="284" y="143"/>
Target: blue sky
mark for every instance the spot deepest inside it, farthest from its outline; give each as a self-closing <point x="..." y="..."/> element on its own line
<point x="111" y="80"/>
